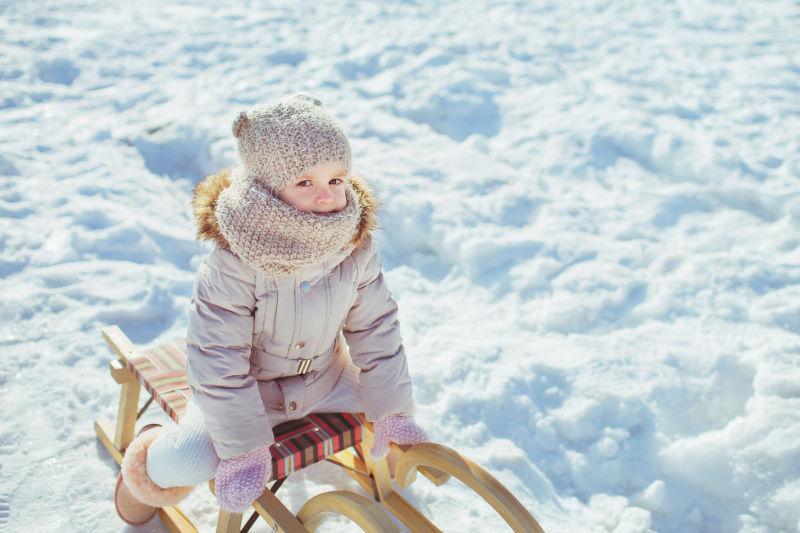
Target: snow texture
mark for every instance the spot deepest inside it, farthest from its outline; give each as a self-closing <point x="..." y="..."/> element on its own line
<point x="590" y="222"/>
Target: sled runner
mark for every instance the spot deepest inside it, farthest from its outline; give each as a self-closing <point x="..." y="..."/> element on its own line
<point x="339" y="438"/>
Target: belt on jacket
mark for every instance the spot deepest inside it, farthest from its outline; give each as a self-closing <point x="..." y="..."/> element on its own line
<point x="276" y="364"/>
<point x="294" y="394"/>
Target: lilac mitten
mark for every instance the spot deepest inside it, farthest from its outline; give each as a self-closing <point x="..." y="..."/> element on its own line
<point x="399" y="429"/>
<point x="240" y="480"/>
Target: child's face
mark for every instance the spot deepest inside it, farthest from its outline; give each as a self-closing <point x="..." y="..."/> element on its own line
<point x="319" y="190"/>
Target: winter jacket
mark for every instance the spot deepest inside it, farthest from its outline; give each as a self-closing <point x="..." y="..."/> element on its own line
<point x="251" y="335"/>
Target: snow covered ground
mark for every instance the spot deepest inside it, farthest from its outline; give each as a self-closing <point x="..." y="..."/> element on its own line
<point x="591" y="215"/>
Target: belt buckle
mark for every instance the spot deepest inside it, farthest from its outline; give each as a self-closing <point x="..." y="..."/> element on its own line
<point x="303" y="367"/>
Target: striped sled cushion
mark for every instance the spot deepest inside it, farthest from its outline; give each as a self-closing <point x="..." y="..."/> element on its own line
<point x="298" y="443"/>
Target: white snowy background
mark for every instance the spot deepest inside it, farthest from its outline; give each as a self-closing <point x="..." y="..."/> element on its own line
<point x="590" y="222"/>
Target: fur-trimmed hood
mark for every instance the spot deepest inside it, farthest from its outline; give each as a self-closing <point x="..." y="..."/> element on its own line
<point x="206" y="192"/>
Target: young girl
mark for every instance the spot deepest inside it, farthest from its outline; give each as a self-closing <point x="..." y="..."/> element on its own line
<point x="290" y="315"/>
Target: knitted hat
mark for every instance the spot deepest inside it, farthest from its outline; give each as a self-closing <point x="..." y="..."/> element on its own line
<point x="281" y="140"/>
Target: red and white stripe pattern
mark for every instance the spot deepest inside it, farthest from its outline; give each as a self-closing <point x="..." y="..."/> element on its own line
<point x="162" y="372"/>
<point x="299" y="443"/>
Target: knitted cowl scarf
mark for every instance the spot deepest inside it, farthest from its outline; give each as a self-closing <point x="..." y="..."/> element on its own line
<point x="272" y="236"/>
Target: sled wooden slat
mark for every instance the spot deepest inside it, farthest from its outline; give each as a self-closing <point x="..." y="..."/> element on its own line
<point x="349" y="461"/>
<point x="175" y="520"/>
<point x="119" y="342"/>
<point x="128" y="407"/>
<point x="105" y="431"/>
<point x="276" y="514"/>
<point x="228" y="522"/>
<point x="378" y="468"/>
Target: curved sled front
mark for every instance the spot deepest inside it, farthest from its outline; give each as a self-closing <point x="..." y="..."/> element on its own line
<point x="367" y="514"/>
<point x="471" y="474"/>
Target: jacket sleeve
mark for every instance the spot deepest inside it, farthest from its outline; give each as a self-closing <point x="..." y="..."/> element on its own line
<point x="219" y="341"/>
<point x="372" y="332"/>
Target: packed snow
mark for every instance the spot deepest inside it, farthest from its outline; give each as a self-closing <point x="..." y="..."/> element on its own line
<point x="590" y="222"/>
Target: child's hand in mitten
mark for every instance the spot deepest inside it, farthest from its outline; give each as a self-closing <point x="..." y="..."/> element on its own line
<point x="399" y="429"/>
<point x="240" y="480"/>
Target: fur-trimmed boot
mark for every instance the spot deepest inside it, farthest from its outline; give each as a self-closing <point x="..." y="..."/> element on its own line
<point x="136" y="497"/>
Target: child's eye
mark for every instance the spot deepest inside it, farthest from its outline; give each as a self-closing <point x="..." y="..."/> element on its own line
<point x="304" y="183"/>
<point x="336" y="181"/>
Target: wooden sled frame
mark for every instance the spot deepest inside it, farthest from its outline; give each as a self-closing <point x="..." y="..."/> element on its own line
<point x="377" y="477"/>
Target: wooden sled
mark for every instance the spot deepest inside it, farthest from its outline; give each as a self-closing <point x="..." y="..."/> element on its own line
<point x="338" y="438"/>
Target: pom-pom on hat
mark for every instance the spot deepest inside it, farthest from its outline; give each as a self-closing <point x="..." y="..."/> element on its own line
<point x="280" y="140"/>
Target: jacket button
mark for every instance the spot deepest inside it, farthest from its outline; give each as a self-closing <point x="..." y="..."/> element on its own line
<point x="280" y="406"/>
<point x="305" y="286"/>
<point x="292" y="406"/>
<point x="300" y="345"/>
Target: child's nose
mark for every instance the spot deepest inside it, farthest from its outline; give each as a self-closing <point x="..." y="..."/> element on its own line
<point x="324" y="197"/>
